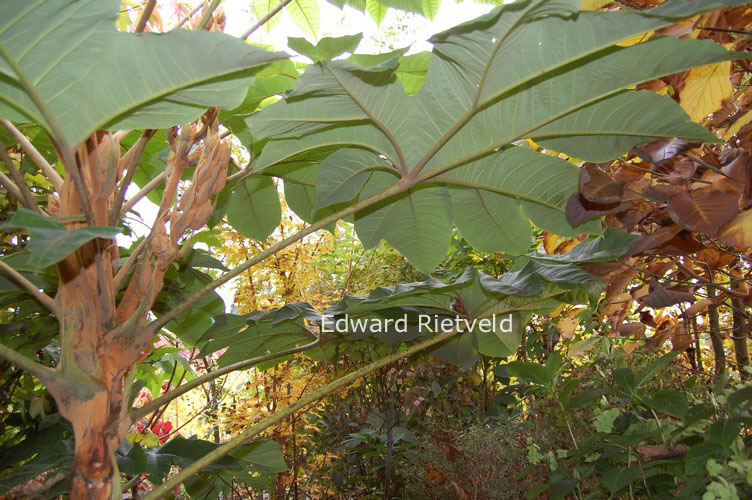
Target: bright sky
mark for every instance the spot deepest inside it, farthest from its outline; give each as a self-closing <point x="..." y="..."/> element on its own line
<point x="334" y="22"/>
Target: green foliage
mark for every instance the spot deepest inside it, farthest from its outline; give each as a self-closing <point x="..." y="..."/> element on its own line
<point x="179" y="78"/>
<point x="423" y="151"/>
<point x="327" y="48"/>
<point x="658" y="442"/>
<point x="50" y="241"/>
<point x="436" y="151"/>
<point x="253" y="207"/>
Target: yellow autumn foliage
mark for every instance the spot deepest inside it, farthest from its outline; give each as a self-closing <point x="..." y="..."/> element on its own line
<point x="705" y="89"/>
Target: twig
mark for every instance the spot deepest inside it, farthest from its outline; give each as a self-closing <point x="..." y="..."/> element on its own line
<point x="705" y="281"/>
<point x="151" y="406"/>
<point x="44" y="373"/>
<point x="148" y="188"/>
<point x="123" y="271"/>
<point x="207" y="15"/>
<point x="132" y="157"/>
<point x="145" y="15"/>
<point x="280" y="415"/>
<point x="188" y="16"/>
<point x="188" y="303"/>
<point x="35" y="155"/>
<point x="11" y="187"/>
<point x="725" y="30"/>
<point x="18" y="180"/>
<point x="264" y="19"/>
<point x="42" y="297"/>
<point x="703" y="163"/>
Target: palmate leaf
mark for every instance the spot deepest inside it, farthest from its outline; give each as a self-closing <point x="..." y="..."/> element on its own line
<point x="253" y="207"/>
<point x="533" y="69"/>
<point x="305" y="13"/>
<point x="89" y="76"/>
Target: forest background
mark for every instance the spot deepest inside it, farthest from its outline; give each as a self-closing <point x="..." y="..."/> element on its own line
<point x="618" y="233"/>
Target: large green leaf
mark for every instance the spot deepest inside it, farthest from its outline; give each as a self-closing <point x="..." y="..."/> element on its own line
<point x="90" y="76"/>
<point x="535" y="69"/>
<point x="253" y="207"/>
<point x="612" y="244"/>
<point x="257" y="333"/>
<point x="50" y="242"/>
<point x="327" y="48"/>
<point x="376" y="10"/>
<point x="493" y="311"/>
<point x="418" y="223"/>
<point x="305" y="13"/>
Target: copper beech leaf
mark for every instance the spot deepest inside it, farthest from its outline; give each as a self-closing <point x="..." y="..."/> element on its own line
<point x="738" y="232"/>
<point x="703" y="212"/>
<point x="598" y="187"/>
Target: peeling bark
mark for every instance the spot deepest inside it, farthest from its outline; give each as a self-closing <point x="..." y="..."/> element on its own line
<point x="101" y="339"/>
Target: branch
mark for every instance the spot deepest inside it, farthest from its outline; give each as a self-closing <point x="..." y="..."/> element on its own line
<point x="188" y="16"/>
<point x="11" y="187"/>
<point x="241" y="173"/>
<point x="707" y="282"/>
<point x="151" y="406"/>
<point x="42" y="297"/>
<point x="145" y="15"/>
<point x="123" y="271"/>
<point x="35" y="155"/>
<point x="42" y="372"/>
<point x="151" y="186"/>
<point x="132" y="157"/>
<point x="184" y="307"/>
<point x="27" y="198"/>
<point x="120" y="135"/>
<point x="254" y="430"/>
<point x="207" y="15"/>
<point x="264" y="19"/>
<point x="69" y="160"/>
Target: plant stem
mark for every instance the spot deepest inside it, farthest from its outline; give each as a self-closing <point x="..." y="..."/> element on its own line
<point x="131" y="159"/>
<point x="42" y="297"/>
<point x="264" y="19"/>
<point x="11" y="187"/>
<point x="165" y="398"/>
<point x="145" y="15"/>
<point x="207" y="15"/>
<point x="35" y="155"/>
<point x="186" y="305"/>
<point x="148" y="188"/>
<point x="280" y="415"/>
<point x="44" y="373"/>
<point x="27" y="197"/>
<point x="188" y="16"/>
<point x="571" y="434"/>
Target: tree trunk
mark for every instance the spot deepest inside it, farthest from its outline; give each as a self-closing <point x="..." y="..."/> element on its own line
<point x="100" y="340"/>
<point x="716" y="338"/>
<point x="390" y="421"/>
<point x="698" y="346"/>
<point x="739" y="336"/>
